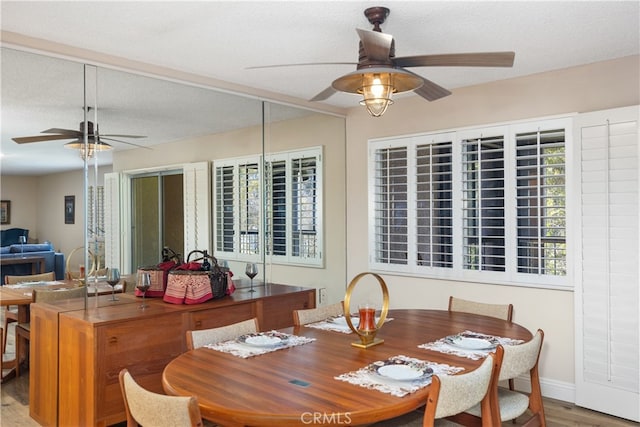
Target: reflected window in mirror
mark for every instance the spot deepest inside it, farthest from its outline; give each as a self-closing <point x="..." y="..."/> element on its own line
<point x="293" y="196"/>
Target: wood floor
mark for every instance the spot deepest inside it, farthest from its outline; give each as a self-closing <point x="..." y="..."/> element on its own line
<point x="14" y="411"/>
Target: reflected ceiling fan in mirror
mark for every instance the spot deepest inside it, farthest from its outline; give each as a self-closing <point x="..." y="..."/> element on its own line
<point x="95" y="139"/>
<point x="380" y="74"/>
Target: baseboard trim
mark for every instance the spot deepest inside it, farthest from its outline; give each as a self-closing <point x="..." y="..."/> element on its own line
<point x="552" y="389"/>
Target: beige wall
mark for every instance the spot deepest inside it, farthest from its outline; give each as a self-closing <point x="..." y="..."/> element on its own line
<point x="22" y="192"/>
<point x="37" y="203"/>
<point x="586" y="88"/>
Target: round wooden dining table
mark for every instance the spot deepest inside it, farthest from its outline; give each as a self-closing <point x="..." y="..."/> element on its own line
<point x="297" y="385"/>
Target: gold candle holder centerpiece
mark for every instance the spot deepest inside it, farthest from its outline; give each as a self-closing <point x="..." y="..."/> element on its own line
<point x="367" y="327"/>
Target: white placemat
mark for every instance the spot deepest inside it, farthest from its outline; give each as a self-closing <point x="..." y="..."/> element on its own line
<point x="339" y="324"/>
<point x="369" y="377"/>
<point x="241" y="347"/>
<point x="446" y="345"/>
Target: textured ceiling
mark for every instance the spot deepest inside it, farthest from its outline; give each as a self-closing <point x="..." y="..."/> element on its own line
<point x="221" y="40"/>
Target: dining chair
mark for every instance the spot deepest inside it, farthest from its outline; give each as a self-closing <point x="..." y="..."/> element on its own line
<point x="501" y="311"/>
<point x="519" y="360"/>
<point x="11" y="312"/>
<point x="454" y="394"/>
<point x="23" y="330"/>
<point x="146" y="408"/>
<point x="199" y="338"/>
<point x="310" y="315"/>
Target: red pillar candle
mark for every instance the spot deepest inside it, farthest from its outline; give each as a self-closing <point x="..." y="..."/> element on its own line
<point x="367" y="318"/>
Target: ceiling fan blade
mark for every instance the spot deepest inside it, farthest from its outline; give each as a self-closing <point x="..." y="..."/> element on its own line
<point x="324" y="94"/>
<point x="40" y="138"/>
<point x="377" y="46"/>
<point x="300" y="65"/>
<point x="122" y="136"/>
<point x="429" y="90"/>
<point x="480" y="59"/>
<point x="125" y="142"/>
<point x="75" y="133"/>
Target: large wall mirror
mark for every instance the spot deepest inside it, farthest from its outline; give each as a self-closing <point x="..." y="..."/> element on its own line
<point x="271" y="191"/>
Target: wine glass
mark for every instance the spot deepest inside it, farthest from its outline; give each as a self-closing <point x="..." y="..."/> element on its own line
<point x="251" y="271"/>
<point x="113" y="277"/>
<point x="143" y="285"/>
<point x="23" y="240"/>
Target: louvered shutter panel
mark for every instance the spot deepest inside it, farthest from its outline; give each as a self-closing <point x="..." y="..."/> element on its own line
<point x="277" y="207"/>
<point x="434" y="204"/>
<point x="541" y="202"/>
<point x="224" y="209"/>
<point x="304" y="199"/>
<point x="390" y="205"/>
<point x="112" y="220"/>
<point x="249" y="207"/>
<point x="607" y="301"/>
<point x="483" y="184"/>
<point x="196" y="190"/>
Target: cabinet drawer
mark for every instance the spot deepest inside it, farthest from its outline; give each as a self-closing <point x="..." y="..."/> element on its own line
<point x="215" y="317"/>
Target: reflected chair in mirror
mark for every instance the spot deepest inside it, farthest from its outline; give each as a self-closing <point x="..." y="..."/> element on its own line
<point x="23" y="330"/>
<point x="11" y="312"/>
<point x="311" y="315"/>
<point x="519" y="360"/>
<point x="146" y="408"/>
<point x="196" y="339"/>
<point x="454" y="394"/>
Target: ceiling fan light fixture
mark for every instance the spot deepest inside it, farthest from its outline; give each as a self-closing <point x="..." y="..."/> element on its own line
<point x="377" y="91"/>
<point x="90" y="151"/>
<point x="377" y="86"/>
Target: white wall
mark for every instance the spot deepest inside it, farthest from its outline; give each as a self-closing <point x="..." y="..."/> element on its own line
<point x="586" y="88"/>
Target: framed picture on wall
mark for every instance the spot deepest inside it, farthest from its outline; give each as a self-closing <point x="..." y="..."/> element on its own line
<point x="5" y="212"/>
<point x="69" y="209"/>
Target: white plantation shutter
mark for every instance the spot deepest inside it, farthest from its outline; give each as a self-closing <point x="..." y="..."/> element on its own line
<point x="607" y="296"/>
<point x="483" y="183"/>
<point x="276" y="207"/>
<point x="196" y="190"/>
<point x="112" y="230"/>
<point x="541" y="202"/>
<point x="390" y="194"/>
<point x="294" y="206"/>
<point x="224" y="209"/>
<point x="434" y="204"/>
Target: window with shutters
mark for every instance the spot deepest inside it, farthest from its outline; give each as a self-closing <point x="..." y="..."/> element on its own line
<point x="293" y="205"/>
<point x="237" y="207"/>
<point x="484" y="204"/>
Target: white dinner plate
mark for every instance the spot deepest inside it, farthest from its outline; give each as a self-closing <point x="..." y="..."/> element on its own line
<point x="400" y="372"/>
<point x="471" y="343"/>
<point x="261" y="340"/>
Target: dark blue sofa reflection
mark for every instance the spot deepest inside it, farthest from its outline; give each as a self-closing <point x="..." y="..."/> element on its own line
<point x="11" y="248"/>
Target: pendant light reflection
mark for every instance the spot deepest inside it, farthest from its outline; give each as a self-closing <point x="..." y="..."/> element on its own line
<point x="87" y="153"/>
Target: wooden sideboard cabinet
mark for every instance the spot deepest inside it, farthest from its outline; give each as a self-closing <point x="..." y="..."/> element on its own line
<point x="76" y="354"/>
